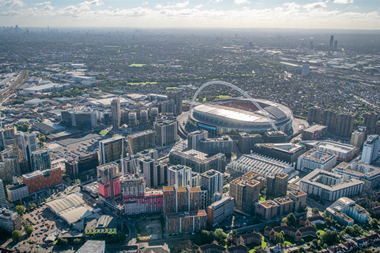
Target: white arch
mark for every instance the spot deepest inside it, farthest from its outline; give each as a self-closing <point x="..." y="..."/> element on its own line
<point x="241" y="92"/>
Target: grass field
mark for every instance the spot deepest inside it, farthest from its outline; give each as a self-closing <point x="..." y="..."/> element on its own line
<point x="103" y="132"/>
<point x="137" y="65"/>
<point x="224" y="96"/>
<point x="171" y="88"/>
<point x="142" y="83"/>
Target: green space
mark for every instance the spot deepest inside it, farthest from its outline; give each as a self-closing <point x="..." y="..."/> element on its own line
<point x="253" y="246"/>
<point x="137" y="65"/>
<point x="142" y="83"/>
<point x="171" y="88"/>
<point x="321" y="232"/>
<point x="223" y="96"/>
<point x="262" y="199"/>
<point x="103" y="132"/>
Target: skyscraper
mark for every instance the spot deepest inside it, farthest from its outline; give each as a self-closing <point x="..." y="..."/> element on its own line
<point x="3" y="201"/>
<point x="41" y="160"/>
<point x="116" y="114"/>
<point x="166" y="132"/>
<point x="331" y="42"/>
<point x="179" y="175"/>
<point x="32" y="145"/>
<point x="111" y="149"/>
<point x="305" y="69"/>
<point x="371" y="149"/>
<point x="212" y="180"/>
<point x="176" y="95"/>
<point x="370" y="120"/>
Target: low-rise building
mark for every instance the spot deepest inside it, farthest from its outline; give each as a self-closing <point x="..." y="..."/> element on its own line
<point x="345" y="211"/>
<point x="287" y="152"/>
<point x="330" y="186"/>
<point x="299" y="199"/>
<point x="274" y="208"/>
<point x="343" y="151"/>
<point x="17" y="192"/>
<point x="314" y="159"/>
<point x="220" y="210"/>
<point x="186" y="222"/>
<point x="9" y="220"/>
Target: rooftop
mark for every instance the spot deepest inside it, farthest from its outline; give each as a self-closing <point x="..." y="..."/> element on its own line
<point x="92" y="247"/>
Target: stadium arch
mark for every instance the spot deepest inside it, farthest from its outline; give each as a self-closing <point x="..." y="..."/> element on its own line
<point x="240" y="91"/>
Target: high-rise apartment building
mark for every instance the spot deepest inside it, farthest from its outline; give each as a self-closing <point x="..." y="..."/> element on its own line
<point x="109" y="181"/>
<point x="246" y="191"/>
<point x="212" y="181"/>
<point x="41" y="160"/>
<point x="3" y="201"/>
<point x="141" y="141"/>
<point x="214" y="146"/>
<point x="179" y="175"/>
<point x="329" y="119"/>
<point x="370" y="120"/>
<point x="358" y="137"/>
<point x="247" y="141"/>
<point x="344" y="125"/>
<point x="112" y="149"/>
<point x="193" y="138"/>
<point x="181" y="199"/>
<point x="176" y="96"/>
<point x="32" y="145"/>
<point x="314" y="114"/>
<point x="116" y="114"/>
<point x="371" y="149"/>
<point x="166" y="132"/>
<point x="277" y="185"/>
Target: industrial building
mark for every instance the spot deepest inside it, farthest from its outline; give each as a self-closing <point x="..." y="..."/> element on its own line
<point x="262" y="165"/>
<point x="345" y="211"/>
<point x="286" y="152"/>
<point x="314" y="159"/>
<point x="198" y="161"/>
<point x="220" y="210"/>
<point x="247" y="141"/>
<point x="141" y="141"/>
<point x="112" y="149"/>
<point x="330" y="186"/>
<point x="277" y="185"/>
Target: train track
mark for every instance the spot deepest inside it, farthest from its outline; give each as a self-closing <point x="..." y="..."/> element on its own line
<point x="19" y="80"/>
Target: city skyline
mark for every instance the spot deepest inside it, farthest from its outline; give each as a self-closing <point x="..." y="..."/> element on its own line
<point x="308" y="14"/>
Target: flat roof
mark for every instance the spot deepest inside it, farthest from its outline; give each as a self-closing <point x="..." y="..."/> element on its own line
<point x="92" y="247"/>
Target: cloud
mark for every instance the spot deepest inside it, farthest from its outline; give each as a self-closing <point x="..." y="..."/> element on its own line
<point x="215" y="1"/>
<point x="144" y="3"/>
<point x="177" y="5"/>
<point x="91" y="3"/>
<point x="241" y="2"/>
<point x="13" y="3"/>
<point x="44" y="3"/>
<point x="343" y="1"/>
<point x="317" y="5"/>
<point x="198" y="6"/>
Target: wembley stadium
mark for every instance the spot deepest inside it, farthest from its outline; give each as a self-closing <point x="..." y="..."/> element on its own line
<point x="234" y="115"/>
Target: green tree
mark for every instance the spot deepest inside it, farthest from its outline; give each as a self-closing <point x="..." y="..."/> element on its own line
<point x="315" y="242"/>
<point x="375" y="223"/>
<point x="330" y="237"/>
<point x="121" y="235"/>
<point x="220" y="235"/>
<point x="350" y="230"/>
<point x="284" y="220"/>
<point x="28" y="229"/>
<point x="77" y="181"/>
<point x="62" y="242"/>
<point x="357" y="229"/>
<point x="20" y="210"/>
<point x="77" y="241"/>
<point x="279" y="237"/>
<point x="291" y="219"/>
<point x="42" y="138"/>
<point x="315" y="210"/>
<point x="45" y="200"/>
<point x="16" y="235"/>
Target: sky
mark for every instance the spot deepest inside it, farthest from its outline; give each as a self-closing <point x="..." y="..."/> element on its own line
<point x="308" y="14"/>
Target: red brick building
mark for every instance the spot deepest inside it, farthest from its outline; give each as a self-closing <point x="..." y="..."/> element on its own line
<point x="39" y="180"/>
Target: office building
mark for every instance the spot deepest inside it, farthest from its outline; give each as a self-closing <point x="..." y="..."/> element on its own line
<point x="314" y="114"/>
<point x="371" y="149"/>
<point x="331" y="42"/>
<point x="344" y="125"/>
<point x="275" y="137"/>
<point x="212" y="181"/>
<point x="286" y="152"/>
<point x="277" y="185"/>
<point x="109" y="181"/>
<point x="247" y="141"/>
<point x="41" y="159"/>
<point x="176" y="96"/>
<point x="166" y="132"/>
<point x="214" y="146"/>
<point x="116" y="114"/>
<point x="370" y="120"/>
<point x="305" y="69"/>
<point x="198" y="161"/>
<point x="186" y="222"/>
<point x="299" y="200"/>
<point x="262" y="165"/>
<point x="141" y="141"/>
<point x="40" y="180"/>
<point x="369" y="174"/>
<point x="81" y="164"/>
<point x="9" y="220"/>
<point x="358" y="137"/>
<point x="181" y="199"/>
<point x="246" y="190"/>
<point x="278" y="207"/>
<point x="330" y="186"/>
<point x="179" y="175"/>
<point x="3" y="201"/>
<point x="314" y="159"/>
<point x="16" y="192"/>
<point x="193" y="138"/>
<point x="85" y="119"/>
<point x="343" y="151"/>
<point x="112" y="149"/>
<point x="345" y="211"/>
<point x="220" y="210"/>
<point x="329" y="119"/>
<point x="314" y="132"/>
